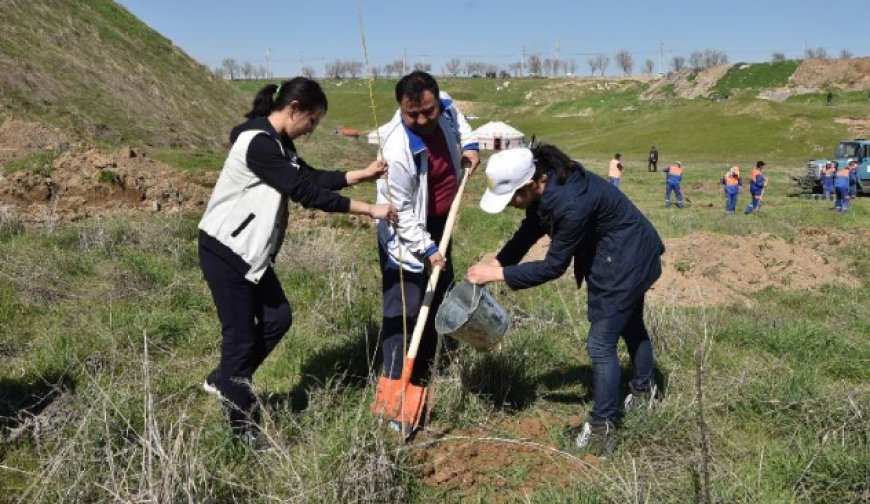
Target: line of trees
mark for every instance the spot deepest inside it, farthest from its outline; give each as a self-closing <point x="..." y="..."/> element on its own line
<point x="533" y="66"/>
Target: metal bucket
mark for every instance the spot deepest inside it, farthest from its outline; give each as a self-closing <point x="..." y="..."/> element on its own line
<point x="469" y="313"/>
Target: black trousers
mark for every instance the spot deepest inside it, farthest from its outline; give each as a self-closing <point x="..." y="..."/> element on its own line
<point x="652" y="165"/>
<point x="254" y="318"/>
<point x="391" y="326"/>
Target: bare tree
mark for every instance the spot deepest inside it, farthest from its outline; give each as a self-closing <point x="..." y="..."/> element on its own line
<point x="845" y="54"/>
<point x="219" y="72"/>
<point x="534" y="65"/>
<point x="423" y="67"/>
<point x="354" y="69"/>
<point x="714" y="58"/>
<point x="777" y="56"/>
<point x="231" y="68"/>
<point x="603" y="63"/>
<point x="678" y="63"/>
<point x="696" y="60"/>
<point x="376" y="72"/>
<point x="648" y="67"/>
<point x="452" y="66"/>
<point x="308" y="71"/>
<point x="334" y="70"/>
<point x="593" y="65"/>
<point x="819" y="53"/>
<point x="516" y="68"/>
<point x="571" y="66"/>
<point x="624" y="61"/>
<point x="547" y="65"/>
<point x="263" y="70"/>
<point x="248" y="70"/>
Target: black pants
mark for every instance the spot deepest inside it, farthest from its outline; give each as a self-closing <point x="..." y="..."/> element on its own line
<point x="651" y="166"/>
<point x="254" y="318"/>
<point x="415" y="288"/>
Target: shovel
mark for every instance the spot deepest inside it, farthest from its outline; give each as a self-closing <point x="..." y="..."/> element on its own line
<point x="401" y="400"/>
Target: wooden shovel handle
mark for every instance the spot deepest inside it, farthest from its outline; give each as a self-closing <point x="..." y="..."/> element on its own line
<point x="417" y="335"/>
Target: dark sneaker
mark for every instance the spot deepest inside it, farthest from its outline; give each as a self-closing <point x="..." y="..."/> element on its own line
<point x="596" y="437"/>
<point x="639" y="399"/>
<point x="210" y="384"/>
<point x="254" y="440"/>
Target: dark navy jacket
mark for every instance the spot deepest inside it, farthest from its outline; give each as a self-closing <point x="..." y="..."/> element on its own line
<point x="614" y="247"/>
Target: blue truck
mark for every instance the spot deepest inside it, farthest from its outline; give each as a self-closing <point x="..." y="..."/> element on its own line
<point x="857" y="149"/>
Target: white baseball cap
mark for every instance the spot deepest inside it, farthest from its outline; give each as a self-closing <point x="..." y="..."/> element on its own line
<point x="506" y="171"/>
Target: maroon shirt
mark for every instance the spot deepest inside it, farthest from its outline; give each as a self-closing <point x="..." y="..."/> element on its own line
<point x="442" y="177"/>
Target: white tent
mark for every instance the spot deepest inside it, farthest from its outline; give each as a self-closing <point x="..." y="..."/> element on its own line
<point x="497" y="135"/>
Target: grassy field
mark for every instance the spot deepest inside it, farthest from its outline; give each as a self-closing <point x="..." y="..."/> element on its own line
<point x="107" y="330"/>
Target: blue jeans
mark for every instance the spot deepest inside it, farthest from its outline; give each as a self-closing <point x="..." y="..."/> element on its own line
<point x="675" y="188"/>
<point x="842" y="203"/>
<point x="754" y="204"/>
<point x="614" y="181"/>
<point x="730" y="202"/>
<point x="606" y="374"/>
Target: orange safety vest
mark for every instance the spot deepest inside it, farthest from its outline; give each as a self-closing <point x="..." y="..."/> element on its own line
<point x="675" y="170"/>
<point x="843" y="172"/>
<point x="732" y="177"/>
<point x="829" y="171"/>
<point x="755" y="172"/>
<point x="614" y="170"/>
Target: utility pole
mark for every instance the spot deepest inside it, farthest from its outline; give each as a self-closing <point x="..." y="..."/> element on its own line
<point x="269" y="62"/>
<point x="556" y="69"/>
<point x="661" y="54"/>
<point x="523" y="63"/>
<point x="404" y="63"/>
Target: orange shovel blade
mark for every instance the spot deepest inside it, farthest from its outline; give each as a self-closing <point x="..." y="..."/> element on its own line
<point x="399" y="400"/>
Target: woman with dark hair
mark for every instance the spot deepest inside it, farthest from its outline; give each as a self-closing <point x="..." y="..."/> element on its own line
<point x="614" y="248"/>
<point x="244" y="225"/>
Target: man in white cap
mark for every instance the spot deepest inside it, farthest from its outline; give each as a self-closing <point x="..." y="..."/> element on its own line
<point x="613" y="247"/>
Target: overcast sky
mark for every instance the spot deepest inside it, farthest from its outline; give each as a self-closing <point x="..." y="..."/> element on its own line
<point x="313" y="33"/>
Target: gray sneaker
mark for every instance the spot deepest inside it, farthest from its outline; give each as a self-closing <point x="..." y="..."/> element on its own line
<point x="596" y="437"/>
<point x="638" y="399"/>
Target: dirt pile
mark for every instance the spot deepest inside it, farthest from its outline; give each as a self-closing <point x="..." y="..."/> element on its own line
<point x="846" y="74"/>
<point x="707" y="269"/>
<point x="19" y="138"/>
<point x="687" y="83"/>
<point x="476" y="458"/>
<point x="93" y="183"/>
<point x="710" y="269"/>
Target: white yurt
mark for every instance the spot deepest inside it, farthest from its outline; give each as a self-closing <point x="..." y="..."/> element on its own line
<point x="497" y="135"/>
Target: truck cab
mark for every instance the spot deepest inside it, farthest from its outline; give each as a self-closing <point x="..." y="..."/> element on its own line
<point x="857" y="149"/>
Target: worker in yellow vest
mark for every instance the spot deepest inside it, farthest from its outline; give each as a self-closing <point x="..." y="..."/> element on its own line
<point x="614" y="172"/>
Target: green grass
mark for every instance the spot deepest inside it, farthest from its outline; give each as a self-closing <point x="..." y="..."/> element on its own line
<point x="37" y="163"/>
<point x="756" y="76"/>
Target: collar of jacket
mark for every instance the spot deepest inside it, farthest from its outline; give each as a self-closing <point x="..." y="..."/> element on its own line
<point x="415" y="143"/>
<point x="576" y="183"/>
<point x="263" y="123"/>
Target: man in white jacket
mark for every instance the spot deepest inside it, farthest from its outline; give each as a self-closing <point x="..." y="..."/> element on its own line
<point x="423" y="145"/>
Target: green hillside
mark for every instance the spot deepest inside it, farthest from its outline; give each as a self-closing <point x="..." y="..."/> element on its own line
<point x="92" y="68"/>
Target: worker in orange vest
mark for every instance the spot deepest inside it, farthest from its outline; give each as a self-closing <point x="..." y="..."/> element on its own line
<point x="731" y="182"/>
<point x="674" y="177"/>
<point x="757" y="183"/>
<point x="614" y="172"/>
<point x="828" y="179"/>
<point x="841" y="186"/>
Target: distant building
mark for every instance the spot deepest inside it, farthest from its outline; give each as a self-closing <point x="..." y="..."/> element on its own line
<point x="497" y="135"/>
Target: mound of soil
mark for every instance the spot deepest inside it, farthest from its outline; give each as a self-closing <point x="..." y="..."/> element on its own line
<point x="707" y="269"/>
<point x="93" y="183"/>
<point x="479" y="457"/>
<point x="18" y="138"/>
<point x="711" y="269"/>
<point x="847" y="74"/>
<point x="700" y="86"/>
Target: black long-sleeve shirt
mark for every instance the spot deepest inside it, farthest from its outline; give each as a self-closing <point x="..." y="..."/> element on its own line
<point x="288" y="173"/>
